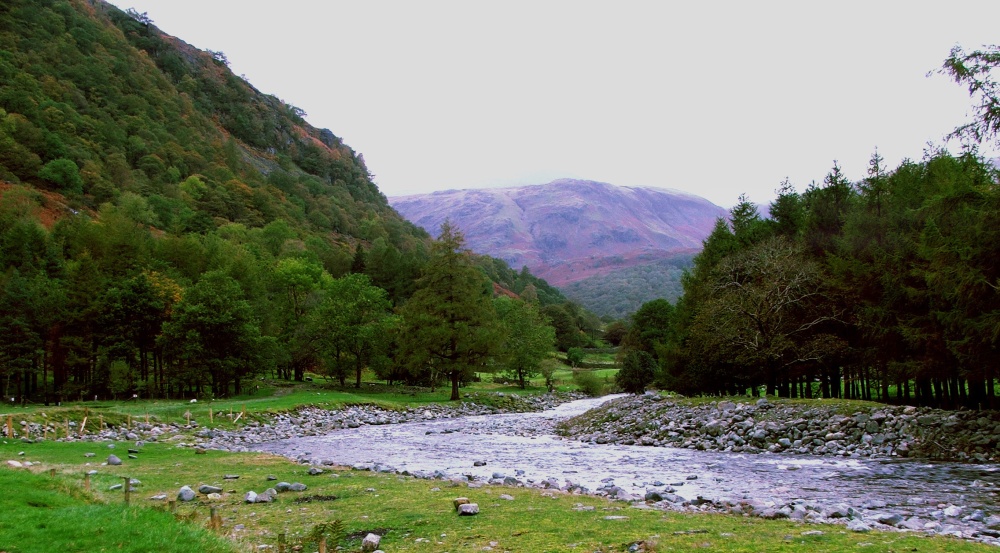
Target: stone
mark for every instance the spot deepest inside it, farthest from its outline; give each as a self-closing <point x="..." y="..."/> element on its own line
<point x="231" y="477"/>
<point x="282" y="486"/>
<point x="297" y="487"/>
<point x="459" y="501"/>
<point x="839" y="511"/>
<point x="207" y="489"/>
<point x="479" y="463"/>
<point x="113" y="460"/>
<point x="992" y="522"/>
<point x="890" y="519"/>
<point x="506" y="497"/>
<point x="185" y="494"/>
<point x="315" y="471"/>
<point x="468" y="510"/>
<point x="858" y="526"/>
<point x="250" y="497"/>
<point x="370" y="543"/>
<point x="15" y="464"/>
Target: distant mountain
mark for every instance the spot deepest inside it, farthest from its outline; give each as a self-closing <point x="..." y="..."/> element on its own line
<point x="570" y="230"/>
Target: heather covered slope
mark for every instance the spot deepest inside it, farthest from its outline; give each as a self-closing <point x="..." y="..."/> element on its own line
<point x="569" y="230"/>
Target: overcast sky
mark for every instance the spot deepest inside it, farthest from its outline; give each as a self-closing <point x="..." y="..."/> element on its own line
<point x="713" y="98"/>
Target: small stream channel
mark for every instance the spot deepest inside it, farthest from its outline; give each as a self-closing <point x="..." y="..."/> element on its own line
<point x="525" y="446"/>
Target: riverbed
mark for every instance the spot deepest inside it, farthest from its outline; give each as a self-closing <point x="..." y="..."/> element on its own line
<point x="950" y="498"/>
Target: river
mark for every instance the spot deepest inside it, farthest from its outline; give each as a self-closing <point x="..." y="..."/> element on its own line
<point x="525" y="446"/>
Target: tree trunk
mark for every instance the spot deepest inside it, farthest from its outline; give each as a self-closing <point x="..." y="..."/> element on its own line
<point x="455" y="375"/>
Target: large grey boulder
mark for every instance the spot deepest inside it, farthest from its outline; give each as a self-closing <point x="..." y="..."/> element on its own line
<point x="468" y="509"/>
<point x="186" y="494"/>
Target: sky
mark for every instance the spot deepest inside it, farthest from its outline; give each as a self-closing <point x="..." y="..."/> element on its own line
<point x="713" y="98"/>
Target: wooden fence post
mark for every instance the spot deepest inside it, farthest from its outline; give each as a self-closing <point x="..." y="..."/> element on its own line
<point x="214" y="520"/>
<point x="128" y="485"/>
<point x="86" y="481"/>
<point x="281" y="542"/>
<point x="10" y="426"/>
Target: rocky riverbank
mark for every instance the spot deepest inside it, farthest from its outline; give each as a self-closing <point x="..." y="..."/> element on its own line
<point x="791" y="427"/>
<point x="303" y="422"/>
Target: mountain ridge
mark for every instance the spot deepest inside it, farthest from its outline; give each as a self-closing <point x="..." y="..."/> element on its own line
<point x="568" y="230"/>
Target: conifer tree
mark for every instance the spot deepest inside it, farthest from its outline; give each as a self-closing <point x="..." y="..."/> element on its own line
<point x="449" y="328"/>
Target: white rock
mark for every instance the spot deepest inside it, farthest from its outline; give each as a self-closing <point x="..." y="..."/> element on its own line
<point x="370" y="543"/>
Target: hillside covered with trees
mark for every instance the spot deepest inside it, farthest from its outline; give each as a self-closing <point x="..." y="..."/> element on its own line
<point x="167" y="229"/>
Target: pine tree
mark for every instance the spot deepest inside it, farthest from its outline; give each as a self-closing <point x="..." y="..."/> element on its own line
<point x="449" y="324"/>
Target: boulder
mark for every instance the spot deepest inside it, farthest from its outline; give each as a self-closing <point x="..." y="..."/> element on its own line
<point x="185" y="494"/>
<point x="370" y="543"/>
<point x="468" y="509"/>
<point x="113" y="460"/>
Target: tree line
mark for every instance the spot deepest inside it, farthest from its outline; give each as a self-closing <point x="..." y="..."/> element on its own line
<point x="102" y="307"/>
<point x="883" y="289"/>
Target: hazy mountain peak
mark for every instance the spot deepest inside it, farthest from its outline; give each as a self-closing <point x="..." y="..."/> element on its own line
<point x="569" y="229"/>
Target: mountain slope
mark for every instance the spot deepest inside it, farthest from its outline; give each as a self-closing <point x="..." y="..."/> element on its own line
<point x="96" y="103"/>
<point x="569" y="230"/>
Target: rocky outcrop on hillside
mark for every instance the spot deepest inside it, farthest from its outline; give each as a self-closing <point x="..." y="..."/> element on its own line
<point x="792" y="427"/>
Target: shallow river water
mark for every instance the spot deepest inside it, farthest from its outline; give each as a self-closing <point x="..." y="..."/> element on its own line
<point x="524" y="446"/>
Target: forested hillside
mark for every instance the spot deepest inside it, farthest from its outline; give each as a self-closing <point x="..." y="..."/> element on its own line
<point x="621" y="292"/>
<point x="166" y="228"/>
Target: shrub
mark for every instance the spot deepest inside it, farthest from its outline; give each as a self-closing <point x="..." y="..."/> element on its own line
<point x="574" y="356"/>
<point x="638" y="371"/>
<point x="588" y="382"/>
<point x="64" y="174"/>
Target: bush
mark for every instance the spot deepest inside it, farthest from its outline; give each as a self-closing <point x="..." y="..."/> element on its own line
<point x="588" y="382"/>
<point x="574" y="356"/>
<point x="638" y="371"/>
<point x="64" y="174"/>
